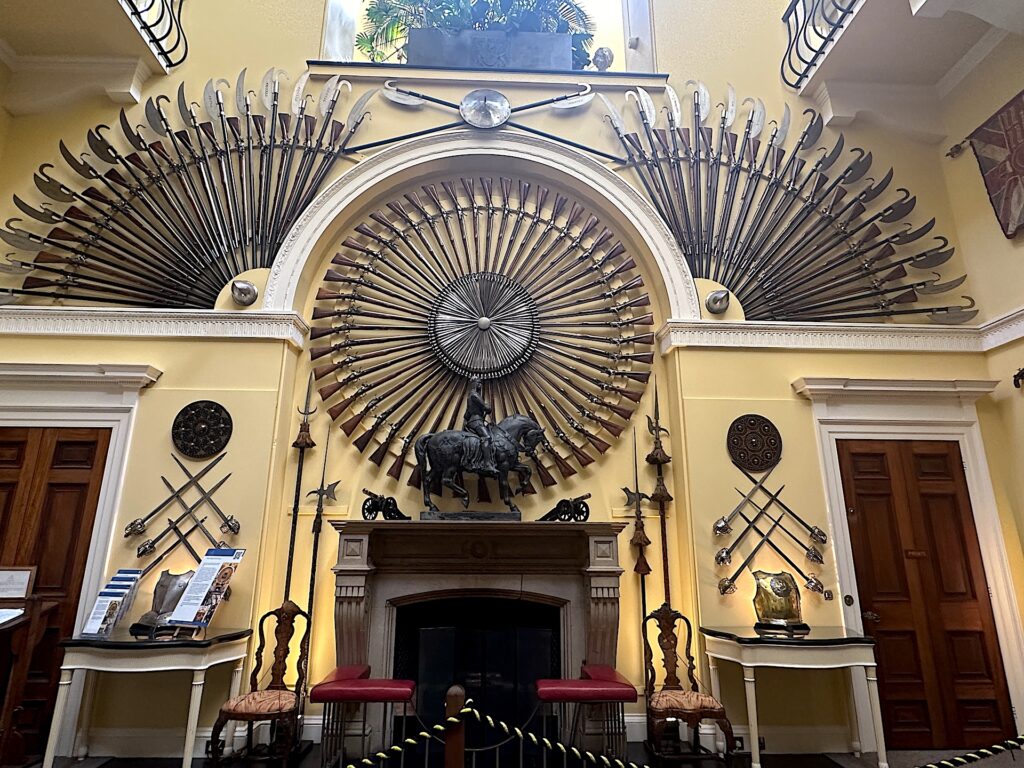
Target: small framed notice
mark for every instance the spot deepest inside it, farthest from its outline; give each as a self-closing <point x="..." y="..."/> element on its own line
<point x="16" y="583"/>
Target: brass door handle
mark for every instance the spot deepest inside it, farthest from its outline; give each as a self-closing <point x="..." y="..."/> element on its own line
<point x="871" y="616"/>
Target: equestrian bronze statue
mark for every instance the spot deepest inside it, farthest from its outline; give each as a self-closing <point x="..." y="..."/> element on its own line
<point x="481" y="448"/>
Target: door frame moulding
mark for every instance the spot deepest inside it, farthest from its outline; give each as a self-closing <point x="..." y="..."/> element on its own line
<point x="70" y="395"/>
<point x="898" y="409"/>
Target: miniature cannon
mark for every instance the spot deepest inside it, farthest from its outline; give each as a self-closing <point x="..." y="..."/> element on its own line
<point x="575" y="510"/>
<point x="377" y="504"/>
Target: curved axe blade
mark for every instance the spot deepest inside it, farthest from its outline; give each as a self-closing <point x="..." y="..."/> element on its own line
<point x="184" y="108"/>
<point x="45" y="216"/>
<point x="814" y="129"/>
<point x="782" y="133"/>
<point x="675" y="109"/>
<point x="298" y="94"/>
<point x="954" y="315"/>
<point x="613" y="114"/>
<point x="931" y="259"/>
<point x="153" y="118"/>
<point x="99" y="145"/>
<point x="130" y="133"/>
<point x="730" y="106"/>
<point x="392" y="93"/>
<point x="915" y="234"/>
<point x="830" y="159"/>
<point x="52" y="188"/>
<point x="241" y="97"/>
<point x="78" y="165"/>
<point x="900" y="209"/>
<point x="934" y="286"/>
<point x="876" y="188"/>
<point x="856" y="170"/>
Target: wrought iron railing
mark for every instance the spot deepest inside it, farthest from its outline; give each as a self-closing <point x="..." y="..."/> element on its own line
<point x="160" y="22"/>
<point x="811" y="25"/>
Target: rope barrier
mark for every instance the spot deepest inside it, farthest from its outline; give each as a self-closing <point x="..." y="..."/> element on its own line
<point x="509" y="730"/>
<point x="1010" y="745"/>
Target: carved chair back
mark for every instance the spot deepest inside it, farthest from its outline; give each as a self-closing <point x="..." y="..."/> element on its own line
<point x="666" y="619"/>
<point x="284" y="630"/>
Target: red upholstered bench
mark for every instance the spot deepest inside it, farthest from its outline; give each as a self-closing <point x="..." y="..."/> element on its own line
<point x="352" y="686"/>
<point x="602" y="687"/>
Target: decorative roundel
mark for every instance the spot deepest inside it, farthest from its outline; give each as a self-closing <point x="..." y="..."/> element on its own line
<point x="201" y="429"/>
<point x="502" y="280"/>
<point x="754" y="443"/>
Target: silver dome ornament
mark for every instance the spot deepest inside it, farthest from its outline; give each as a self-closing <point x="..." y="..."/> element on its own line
<point x="485" y="108"/>
<point x="726" y="586"/>
<point x="244" y="293"/>
<point x="603" y="58"/>
<point x="717" y="302"/>
<point x="723" y="556"/>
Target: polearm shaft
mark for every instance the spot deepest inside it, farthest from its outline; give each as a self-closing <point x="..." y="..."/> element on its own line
<point x="302" y="443"/>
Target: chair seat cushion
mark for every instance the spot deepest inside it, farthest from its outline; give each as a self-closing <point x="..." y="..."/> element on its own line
<point x="605" y="673"/>
<point x="267" y="703"/>
<point x="364" y="690"/>
<point x="584" y="691"/>
<point x="685" y="701"/>
<point x="347" y="672"/>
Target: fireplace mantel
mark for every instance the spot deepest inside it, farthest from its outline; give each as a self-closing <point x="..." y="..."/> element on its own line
<point x="384" y="564"/>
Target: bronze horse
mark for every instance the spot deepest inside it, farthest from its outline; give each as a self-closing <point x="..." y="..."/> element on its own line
<point x="450" y="453"/>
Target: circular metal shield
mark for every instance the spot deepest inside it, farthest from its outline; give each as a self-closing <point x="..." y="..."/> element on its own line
<point x="754" y="443"/>
<point x="201" y="429"/>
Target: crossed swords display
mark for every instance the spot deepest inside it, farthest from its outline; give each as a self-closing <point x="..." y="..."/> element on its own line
<point x="168" y="222"/>
<point x="723" y="527"/>
<point x="189" y="516"/>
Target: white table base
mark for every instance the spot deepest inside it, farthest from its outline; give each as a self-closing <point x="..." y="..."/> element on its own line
<point x="750" y="657"/>
<point x="90" y="660"/>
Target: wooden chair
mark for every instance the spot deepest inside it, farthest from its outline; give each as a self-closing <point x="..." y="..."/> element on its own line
<point x="674" y="700"/>
<point x="277" y="702"/>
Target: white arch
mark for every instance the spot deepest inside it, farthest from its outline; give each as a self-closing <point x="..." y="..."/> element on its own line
<point x="580" y="172"/>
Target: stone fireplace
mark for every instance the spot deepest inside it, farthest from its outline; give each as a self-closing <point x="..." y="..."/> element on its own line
<point x="383" y="566"/>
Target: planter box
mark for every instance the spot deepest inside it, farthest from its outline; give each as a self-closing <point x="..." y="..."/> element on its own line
<point x="478" y="49"/>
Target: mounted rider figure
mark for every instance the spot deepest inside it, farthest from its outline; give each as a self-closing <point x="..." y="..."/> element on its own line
<point x="475" y="421"/>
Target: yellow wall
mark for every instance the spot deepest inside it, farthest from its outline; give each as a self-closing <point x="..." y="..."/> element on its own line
<point x="996" y="264"/>
<point x="261" y="383"/>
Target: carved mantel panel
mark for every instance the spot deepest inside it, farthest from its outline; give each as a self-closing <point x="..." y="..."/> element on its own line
<point x="384" y="564"/>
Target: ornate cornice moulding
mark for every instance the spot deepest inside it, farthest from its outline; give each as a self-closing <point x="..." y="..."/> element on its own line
<point x="153" y="323"/>
<point x="849" y="337"/>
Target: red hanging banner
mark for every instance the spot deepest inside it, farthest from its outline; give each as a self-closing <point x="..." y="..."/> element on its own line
<point x="999" y="147"/>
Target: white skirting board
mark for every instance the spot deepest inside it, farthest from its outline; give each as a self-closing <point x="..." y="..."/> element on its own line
<point x="166" y="742"/>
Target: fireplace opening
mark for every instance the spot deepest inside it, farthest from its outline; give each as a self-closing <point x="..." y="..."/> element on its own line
<point x="495" y="647"/>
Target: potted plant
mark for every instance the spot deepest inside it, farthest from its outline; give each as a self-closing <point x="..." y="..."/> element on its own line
<point x="486" y="34"/>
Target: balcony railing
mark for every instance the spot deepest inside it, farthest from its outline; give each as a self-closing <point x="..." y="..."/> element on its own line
<point x="159" y="21"/>
<point x="811" y="25"/>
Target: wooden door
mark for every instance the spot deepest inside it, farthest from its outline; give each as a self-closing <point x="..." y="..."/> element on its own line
<point x="49" y="486"/>
<point x="923" y="594"/>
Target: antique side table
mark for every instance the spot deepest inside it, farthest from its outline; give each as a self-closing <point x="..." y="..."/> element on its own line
<point x="823" y="648"/>
<point x="123" y="653"/>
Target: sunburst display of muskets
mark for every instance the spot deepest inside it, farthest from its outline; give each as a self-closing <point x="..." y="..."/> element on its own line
<point x="503" y="280"/>
<point x="183" y="204"/>
<point x="801" y="234"/>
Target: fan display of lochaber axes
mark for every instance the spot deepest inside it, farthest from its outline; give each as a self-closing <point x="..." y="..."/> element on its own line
<point x="488" y="278"/>
<point x="170" y="214"/>
<point x="800" y="234"/>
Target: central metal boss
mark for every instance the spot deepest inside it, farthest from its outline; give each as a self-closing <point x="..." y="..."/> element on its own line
<point x="483" y="325"/>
